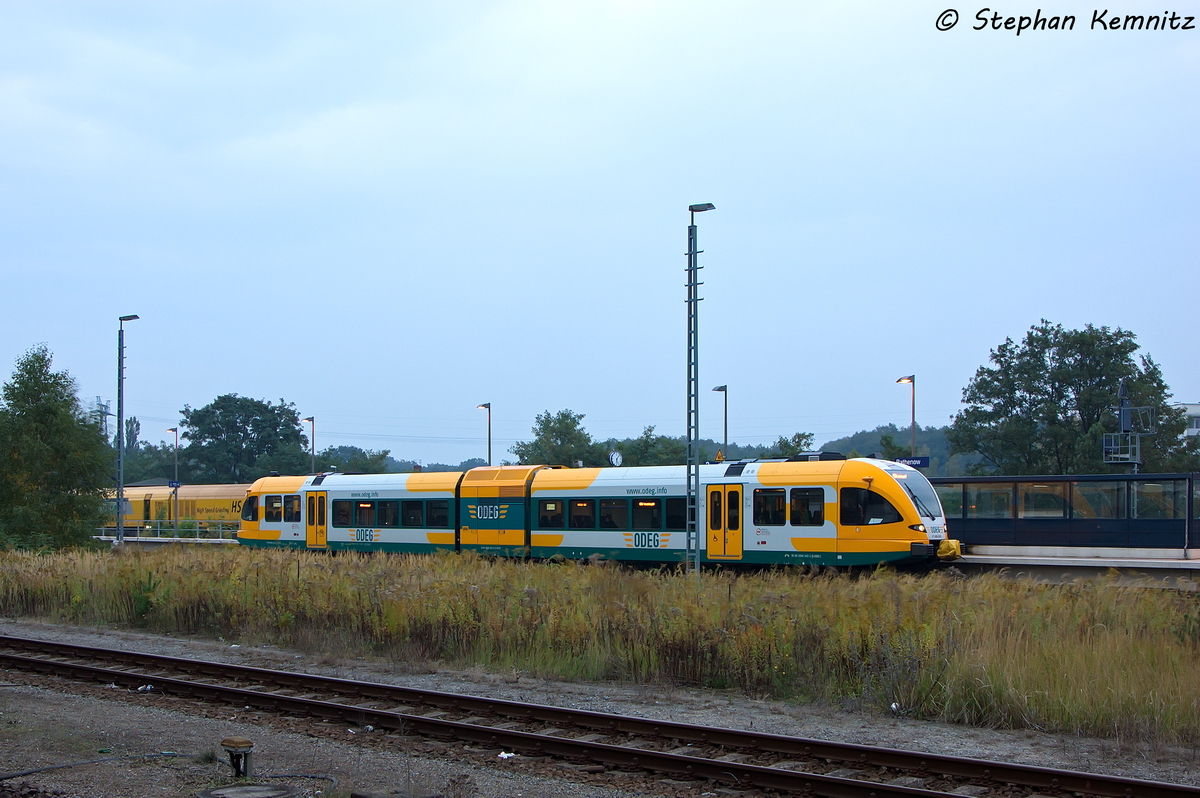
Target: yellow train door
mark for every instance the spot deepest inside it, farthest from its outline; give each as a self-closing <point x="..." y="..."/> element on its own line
<point x="316" y="529"/>
<point x="724" y="513"/>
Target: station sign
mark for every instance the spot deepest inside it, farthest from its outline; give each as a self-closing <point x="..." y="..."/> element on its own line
<point x="915" y="462"/>
<point x="173" y="484"/>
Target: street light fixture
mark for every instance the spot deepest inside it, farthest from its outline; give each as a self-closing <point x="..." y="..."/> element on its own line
<point x="724" y="389"/>
<point x="175" y="487"/>
<point x="121" y="426"/>
<point x="911" y="380"/>
<point x="488" y="407"/>
<point x="693" y="388"/>
<point x="312" y="442"/>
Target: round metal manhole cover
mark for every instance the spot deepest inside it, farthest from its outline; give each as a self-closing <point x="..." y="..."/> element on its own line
<point x="250" y="791"/>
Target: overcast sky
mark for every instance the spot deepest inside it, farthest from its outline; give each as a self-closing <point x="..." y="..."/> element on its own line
<point x="388" y="213"/>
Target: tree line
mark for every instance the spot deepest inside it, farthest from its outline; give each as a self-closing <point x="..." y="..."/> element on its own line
<point x="1040" y="406"/>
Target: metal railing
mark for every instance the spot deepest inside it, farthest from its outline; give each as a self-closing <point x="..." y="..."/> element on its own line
<point x="177" y="530"/>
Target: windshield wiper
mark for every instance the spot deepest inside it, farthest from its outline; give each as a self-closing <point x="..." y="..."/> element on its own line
<point x="921" y="508"/>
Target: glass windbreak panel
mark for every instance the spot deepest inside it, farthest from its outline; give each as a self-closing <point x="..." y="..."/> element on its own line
<point x="1097" y="499"/>
<point x="734" y="500"/>
<point x="272" y="508"/>
<point x="412" y="513"/>
<point x="342" y="512"/>
<point x="437" y="514"/>
<point x="769" y="506"/>
<point x="552" y="513"/>
<point x="250" y="509"/>
<point x="291" y="509"/>
<point x="677" y="513"/>
<point x="988" y="500"/>
<point x="951" y="497"/>
<point x="808" y="506"/>
<point x="714" y="510"/>
<point x="921" y="492"/>
<point x="1160" y="499"/>
<point x="387" y="513"/>
<point x="583" y="514"/>
<point x="1042" y="500"/>
<point x="647" y="514"/>
<point x="364" y="514"/>
<point x="862" y="507"/>
<point x="614" y="514"/>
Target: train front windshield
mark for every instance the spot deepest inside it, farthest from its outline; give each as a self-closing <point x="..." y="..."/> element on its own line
<point x="922" y="493"/>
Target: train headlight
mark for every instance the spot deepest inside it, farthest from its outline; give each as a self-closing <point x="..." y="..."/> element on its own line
<point x="917" y="527"/>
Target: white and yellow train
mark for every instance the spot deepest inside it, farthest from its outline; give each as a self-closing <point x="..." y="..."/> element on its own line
<point x="820" y="511"/>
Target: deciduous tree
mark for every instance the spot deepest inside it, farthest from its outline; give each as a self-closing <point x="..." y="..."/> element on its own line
<point x="54" y="462"/>
<point x="1044" y="404"/>
<point x="236" y="439"/>
<point x="560" y="439"/>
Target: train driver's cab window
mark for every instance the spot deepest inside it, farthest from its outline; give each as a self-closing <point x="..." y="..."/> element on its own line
<point x="551" y="514"/>
<point x="291" y="509"/>
<point x="342" y="512"/>
<point x="438" y="514"/>
<point x="769" y="507"/>
<point x="583" y="513"/>
<point x="808" y="507"/>
<point x="273" y="509"/>
<point x="250" y="509"/>
<point x="862" y="507"/>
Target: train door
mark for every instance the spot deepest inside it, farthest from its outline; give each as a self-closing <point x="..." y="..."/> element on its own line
<point x="724" y="513"/>
<point x="316" y="528"/>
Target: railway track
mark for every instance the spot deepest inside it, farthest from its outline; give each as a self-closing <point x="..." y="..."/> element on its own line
<point x="591" y="741"/>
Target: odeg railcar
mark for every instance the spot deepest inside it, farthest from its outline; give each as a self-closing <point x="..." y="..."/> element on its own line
<point x="818" y="511"/>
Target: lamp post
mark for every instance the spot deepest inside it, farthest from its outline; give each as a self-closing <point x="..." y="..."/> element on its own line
<point x="911" y="380"/>
<point x="488" y="407"/>
<point x="121" y="426"/>
<point x="724" y="389"/>
<point x="312" y="442"/>
<point x="693" y="388"/>
<point x="175" y="489"/>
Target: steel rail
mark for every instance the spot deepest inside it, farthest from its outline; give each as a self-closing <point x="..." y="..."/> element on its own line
<point x="991" y="773"/>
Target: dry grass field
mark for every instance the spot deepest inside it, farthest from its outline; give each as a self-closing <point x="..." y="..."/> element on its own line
<point x="1090" y="658"/>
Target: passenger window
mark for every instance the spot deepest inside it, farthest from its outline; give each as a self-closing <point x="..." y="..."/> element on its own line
<point x="583" y="514"/>
<point x="550" y="514"/>
<point x="768" y="507"/>
<point x="614" y="514"/>
<point x="364" y="514"/>
<point x="291" y="509"/>
<point x="387" y="513"/>
<point x="808" y="506"/>
<point x="439" y="514"/>
<point x="273" y="509"/>
<point x="341" y="512"/>
<point x="862" y="507"/>
<point x="412" y="513"/>
<point x="647" y="514"/>
<point x="676" y="514"/>
<point x="250" y="509"/>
